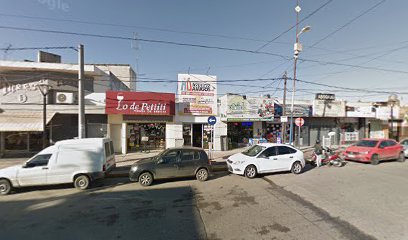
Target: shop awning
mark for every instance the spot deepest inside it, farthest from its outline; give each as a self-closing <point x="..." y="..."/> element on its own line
<point x="27" y="121"/>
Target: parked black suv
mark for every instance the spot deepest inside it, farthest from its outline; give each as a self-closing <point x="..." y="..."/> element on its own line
<point x="172" y="163"/>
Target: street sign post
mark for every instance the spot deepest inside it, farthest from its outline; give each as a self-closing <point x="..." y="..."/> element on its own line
<point x="299" y="122"/>
<point x="212" y="121"/>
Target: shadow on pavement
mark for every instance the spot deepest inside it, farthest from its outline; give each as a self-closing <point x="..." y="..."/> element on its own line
<point x="147" y="213"/>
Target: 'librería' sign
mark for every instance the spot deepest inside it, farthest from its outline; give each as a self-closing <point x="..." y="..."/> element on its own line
<point x="140" y="103"/>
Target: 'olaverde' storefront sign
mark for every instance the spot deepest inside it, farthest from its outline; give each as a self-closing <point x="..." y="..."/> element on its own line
<point x="197" y="94"/>
<point x="140" y="103"/>
<point x="249" y="109"/>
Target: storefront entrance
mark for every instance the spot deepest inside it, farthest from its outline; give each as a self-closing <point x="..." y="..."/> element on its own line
<point x="239" y="134"/>
<point x="197" y="135"/>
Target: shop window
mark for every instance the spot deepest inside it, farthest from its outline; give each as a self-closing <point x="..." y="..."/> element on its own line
<point x="146" y="136"/>
<point x="16" y="141"/>
<point x="187" y="132"/>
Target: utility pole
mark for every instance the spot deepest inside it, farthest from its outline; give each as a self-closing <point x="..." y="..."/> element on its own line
<point x="81" y="99"/>
<point x="285" y="78"/>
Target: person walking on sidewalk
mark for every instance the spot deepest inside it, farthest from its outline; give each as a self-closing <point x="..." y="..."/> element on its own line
<point x="318" y="150"/>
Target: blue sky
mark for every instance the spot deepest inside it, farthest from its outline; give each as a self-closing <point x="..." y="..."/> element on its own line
<point x="378" y="39"/>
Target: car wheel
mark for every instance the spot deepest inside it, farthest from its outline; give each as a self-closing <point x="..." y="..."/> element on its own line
<point x="81" y="182"/>
<point x="146" y="179"/>
<point x="202" y="175"/>
<point x="5" y="187"/>
<point x="250" y="171"/>
<point x="401" y="157"/>
<point x="296" y="168"/>
<point x="374" y="159"/>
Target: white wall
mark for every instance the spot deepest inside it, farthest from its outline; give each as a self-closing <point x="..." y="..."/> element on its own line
<point x="174" y="135"/>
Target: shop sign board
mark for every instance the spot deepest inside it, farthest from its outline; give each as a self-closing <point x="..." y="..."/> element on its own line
<point x="197" y="94"/>
<point x="284" y="119"/>
<point x="325" y="96"/>
<point x="249" y="109"/>
<point x="322" y="108"/>
<point x="140" y="103"/>
<point x="362" y="110"/>
<point x="299" y="110"/>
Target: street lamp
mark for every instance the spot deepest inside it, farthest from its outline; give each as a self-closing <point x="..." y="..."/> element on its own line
<point x="297" y="49"/>
<point x="44" y="89"/>
<point x="392" y="100"/>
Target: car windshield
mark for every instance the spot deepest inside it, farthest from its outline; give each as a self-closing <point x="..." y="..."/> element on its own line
<point x="253" y="151"/>
<point x="366" y="143"/>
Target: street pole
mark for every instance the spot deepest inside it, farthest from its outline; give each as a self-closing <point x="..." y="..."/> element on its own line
<point x="44" y="135"/>
<point x="297" y="9"/>
<point x="285" y="78"/>
<point x="81" y="99"/>
<point x="392" y="122"/>
<point x="44" y="89"/>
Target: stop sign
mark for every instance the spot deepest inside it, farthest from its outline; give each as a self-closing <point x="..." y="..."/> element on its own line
<point x="299" y="122"/>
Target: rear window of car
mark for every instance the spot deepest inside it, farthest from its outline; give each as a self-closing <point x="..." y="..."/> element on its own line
<point x="112" y="150"/>
<point x="190" y="155"/>
<point x="366" y="143"/>
<point x="107" y="149"/>
<point x="282" y="150"/>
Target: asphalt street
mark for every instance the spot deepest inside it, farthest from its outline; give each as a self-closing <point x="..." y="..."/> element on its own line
<point x="225" y="207"/>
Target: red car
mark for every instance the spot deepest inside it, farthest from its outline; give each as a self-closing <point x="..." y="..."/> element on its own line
<point x="374" y="151"/>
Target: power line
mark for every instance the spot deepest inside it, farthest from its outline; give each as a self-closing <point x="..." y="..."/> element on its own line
<point x="36" y="48"/>
<point x="349" y="22"/>
<point x="143" y="40"/>
<point x="130" y="26"/>
<point x="283" y="33"/>
<point x="199" y="46"/>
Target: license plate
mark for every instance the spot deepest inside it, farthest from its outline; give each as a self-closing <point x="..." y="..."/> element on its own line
<point x="351" y="155"/>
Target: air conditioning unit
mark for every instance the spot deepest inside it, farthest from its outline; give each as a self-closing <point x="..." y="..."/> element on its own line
<point x="64" y="98"/>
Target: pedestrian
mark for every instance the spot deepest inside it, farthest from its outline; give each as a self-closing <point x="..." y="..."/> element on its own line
<point x="318" y="150"/>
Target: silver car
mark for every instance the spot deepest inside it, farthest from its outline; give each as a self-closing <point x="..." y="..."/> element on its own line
<point x="404" y="143"/>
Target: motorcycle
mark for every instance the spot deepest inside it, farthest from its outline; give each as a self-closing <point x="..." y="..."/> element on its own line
<point x="330" y="158"/>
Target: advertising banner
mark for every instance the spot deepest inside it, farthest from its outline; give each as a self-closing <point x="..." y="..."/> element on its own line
<point x="323" y="108"/>
<point x="249" y="108"/>
<point x="197" y="94"/>
<point x="140" y="103"/>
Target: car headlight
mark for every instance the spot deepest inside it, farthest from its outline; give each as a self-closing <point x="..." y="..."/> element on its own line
<point x="133" y="168"/>
<point x="239" y="162"/>
<point x="365" y="153"/>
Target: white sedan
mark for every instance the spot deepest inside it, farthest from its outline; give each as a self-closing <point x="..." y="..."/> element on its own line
<point x="404" y="144"/>
<point x="266" y="158"/>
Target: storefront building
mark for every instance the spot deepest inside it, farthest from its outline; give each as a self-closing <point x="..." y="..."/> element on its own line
<point x="139" y="121"/>
<point x="197" y="100"/>
<point x="249" y="120"/>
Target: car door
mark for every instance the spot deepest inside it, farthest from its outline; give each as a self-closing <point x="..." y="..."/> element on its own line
<point x="188" y="162"/>
<point x="393" y="148"/>
<point x="34" y="171"/>
<point x="268" y="160"/>
<point x="169" y="165"/>
<point x="286" y="156"/>
<point x="383" y="152"/>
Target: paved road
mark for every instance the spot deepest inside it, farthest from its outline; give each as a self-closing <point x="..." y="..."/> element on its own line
<point x="226" y="207"/>
<point x="372" y="198"/>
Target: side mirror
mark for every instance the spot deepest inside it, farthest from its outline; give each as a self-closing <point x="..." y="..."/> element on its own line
<point x="382" y="147"/>
<point x="160" y="161"/>
<point x="262" y="156"/>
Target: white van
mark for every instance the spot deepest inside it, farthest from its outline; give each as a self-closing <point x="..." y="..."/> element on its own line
<point x="77" y="161"/>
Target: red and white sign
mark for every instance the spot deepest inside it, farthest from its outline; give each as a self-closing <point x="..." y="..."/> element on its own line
<point x="140" y="103"/>
<point x="299" y="122"/>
